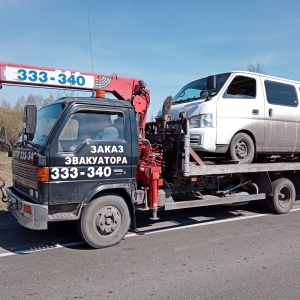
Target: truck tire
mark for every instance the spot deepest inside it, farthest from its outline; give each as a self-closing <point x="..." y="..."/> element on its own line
<point x="104" y="221"/>
<point x="242" y="148"/>
<point x="284" y="196"/>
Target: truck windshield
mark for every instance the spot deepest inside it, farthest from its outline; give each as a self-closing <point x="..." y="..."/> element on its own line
<point x="194" y="90"/>
<point x="46" y="118"/>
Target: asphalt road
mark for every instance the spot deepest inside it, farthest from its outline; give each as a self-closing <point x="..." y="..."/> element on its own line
<point x="206" y="253"/>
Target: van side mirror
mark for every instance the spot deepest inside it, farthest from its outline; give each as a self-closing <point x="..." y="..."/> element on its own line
<point x="30" y="116"/>
<point x="211" y="82"/>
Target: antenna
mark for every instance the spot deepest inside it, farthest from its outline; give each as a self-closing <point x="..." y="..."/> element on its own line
<point x="91" y="44"/>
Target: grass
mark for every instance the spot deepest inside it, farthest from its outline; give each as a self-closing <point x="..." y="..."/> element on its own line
<point x="5" y="174"/>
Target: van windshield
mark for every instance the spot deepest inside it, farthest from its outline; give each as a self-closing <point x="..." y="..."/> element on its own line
<point x="194" y="90"/>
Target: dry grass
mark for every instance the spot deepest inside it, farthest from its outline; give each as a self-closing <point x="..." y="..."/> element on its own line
<point x="5" y="173"/>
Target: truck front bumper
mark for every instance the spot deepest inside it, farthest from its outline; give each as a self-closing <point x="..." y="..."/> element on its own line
<point x="29" y="215"/>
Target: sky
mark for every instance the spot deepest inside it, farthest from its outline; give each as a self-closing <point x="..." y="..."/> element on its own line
<point x="167" y="43"/>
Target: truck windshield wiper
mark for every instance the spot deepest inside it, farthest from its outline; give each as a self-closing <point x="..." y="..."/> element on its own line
<point x="31" y="143"/>
<point x="23" y="144"/>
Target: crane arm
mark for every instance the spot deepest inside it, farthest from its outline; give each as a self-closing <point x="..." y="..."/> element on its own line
<point x="129" y="89"/>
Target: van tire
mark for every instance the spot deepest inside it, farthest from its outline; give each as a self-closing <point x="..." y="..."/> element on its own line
<point x="104" y="221"/>
<point x="242" y="148"/>
<point x="284" y="196"/>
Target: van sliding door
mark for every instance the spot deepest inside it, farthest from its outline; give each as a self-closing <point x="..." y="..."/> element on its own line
<point x="241" y="108"/>
<point x="282" y="118"/>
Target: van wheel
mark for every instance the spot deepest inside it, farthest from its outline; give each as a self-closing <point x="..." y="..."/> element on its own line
<point x="284" y="196"/>
<point x="104" y="221"/>
<point x="242" y="148"/>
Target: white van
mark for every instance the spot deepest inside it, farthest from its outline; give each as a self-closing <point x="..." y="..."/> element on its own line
<point x="243" y="114"/>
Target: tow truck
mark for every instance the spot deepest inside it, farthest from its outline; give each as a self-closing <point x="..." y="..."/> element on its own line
<point x="70" y="164"/>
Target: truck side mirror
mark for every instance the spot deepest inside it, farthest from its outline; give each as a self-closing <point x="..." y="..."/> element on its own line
<point x="3" y="134"/>
<point x="30" y="115"/>
<point x="3" y="139"/>
<point x="211" y="82"/>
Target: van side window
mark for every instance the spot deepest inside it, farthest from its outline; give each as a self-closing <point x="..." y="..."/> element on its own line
<point x="241" y="87"/>
<point x="281" y="93"/>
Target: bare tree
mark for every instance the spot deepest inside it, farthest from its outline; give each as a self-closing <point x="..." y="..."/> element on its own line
<point x="63" y="93"/>
<point x="19" y="106"/>
<point x="11" y="118"/>
<point x="256" y="67"/>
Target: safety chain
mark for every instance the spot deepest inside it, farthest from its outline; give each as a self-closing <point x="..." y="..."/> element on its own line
<point x="4" y="196"/>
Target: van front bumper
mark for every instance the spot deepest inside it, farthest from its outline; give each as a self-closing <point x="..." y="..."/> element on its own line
<point x="29" y="215"/>
<point x="203" y="139"/>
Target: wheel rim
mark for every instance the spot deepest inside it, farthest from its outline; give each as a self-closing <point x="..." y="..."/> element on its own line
<point x="285" y="197"/>
<point x="107" y="220"/>
<point x="241" y="149"/>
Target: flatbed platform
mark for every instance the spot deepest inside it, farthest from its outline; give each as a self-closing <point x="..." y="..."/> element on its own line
<point x="204" y="170"/>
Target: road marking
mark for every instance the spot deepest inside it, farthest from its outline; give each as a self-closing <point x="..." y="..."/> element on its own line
<point x="202" y="224"/>
<point x="40" y="248"/>
<point x="135" y="234"/>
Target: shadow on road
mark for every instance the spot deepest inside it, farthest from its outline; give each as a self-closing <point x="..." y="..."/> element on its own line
<point x="14" y="237"/>
<point x="190" y="216"/>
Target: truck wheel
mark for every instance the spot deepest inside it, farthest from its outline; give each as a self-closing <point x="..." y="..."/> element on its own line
<point x="242" y="148"/>
<point x="104" y="221"/>
<point x="284" y="196"/>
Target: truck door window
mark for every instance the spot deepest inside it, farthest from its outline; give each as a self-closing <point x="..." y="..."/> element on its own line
<point x="83" y="126"/>
<point x="241" y="87"/>
<point x="281" y="93"/>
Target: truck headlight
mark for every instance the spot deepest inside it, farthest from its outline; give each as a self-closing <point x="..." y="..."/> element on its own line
<point x="200" y="121"/>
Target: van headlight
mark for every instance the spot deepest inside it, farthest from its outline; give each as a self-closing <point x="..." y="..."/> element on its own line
<point x="204" y="120"/>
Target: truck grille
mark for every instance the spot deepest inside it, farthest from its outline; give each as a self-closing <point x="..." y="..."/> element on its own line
<point x="25" y="181"/>
<point x="24" y="170"/>
<point x="22" y="188"/>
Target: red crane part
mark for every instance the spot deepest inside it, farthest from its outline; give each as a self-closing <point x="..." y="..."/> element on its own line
<point x="129" y="89"/>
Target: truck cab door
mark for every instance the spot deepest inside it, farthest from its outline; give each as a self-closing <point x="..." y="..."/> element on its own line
<point x="92" y="147"/>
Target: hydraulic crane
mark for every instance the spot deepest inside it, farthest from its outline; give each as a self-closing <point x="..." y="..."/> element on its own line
<point x="129" y="89"/>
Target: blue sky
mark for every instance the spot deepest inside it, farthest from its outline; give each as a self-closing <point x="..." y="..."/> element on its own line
<point x="166" y="43"/>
